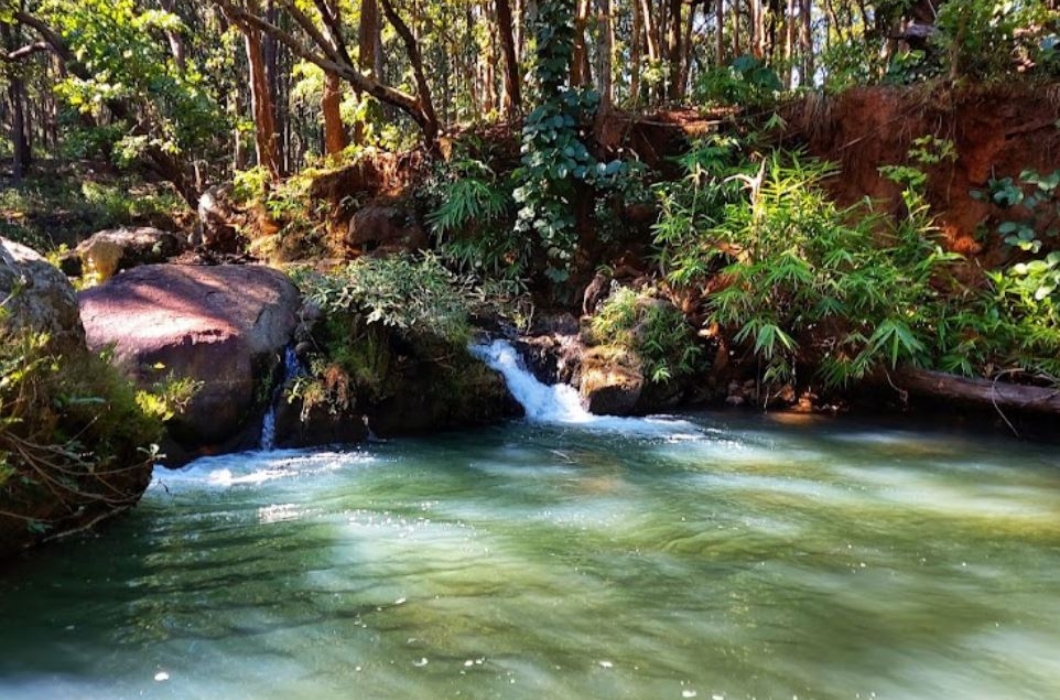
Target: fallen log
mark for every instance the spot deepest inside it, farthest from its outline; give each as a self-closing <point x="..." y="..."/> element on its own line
<point x="997" y="394"/>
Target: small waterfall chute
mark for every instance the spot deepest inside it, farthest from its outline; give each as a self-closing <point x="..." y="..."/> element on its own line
<point x="561" y="403"/>
<point x="292" y="367"/>
<point x="543" y="403"/>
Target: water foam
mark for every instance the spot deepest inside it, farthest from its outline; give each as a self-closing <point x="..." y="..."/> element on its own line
<point x="560" y="403"/>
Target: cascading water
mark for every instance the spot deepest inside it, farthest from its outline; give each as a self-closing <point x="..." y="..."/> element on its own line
<point x="556" y="403"/>
<point x="560" y="403"/>
<point x="292" y="367"/>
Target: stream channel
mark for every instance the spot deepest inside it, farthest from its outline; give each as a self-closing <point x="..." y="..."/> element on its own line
<point x="565" y="557"/>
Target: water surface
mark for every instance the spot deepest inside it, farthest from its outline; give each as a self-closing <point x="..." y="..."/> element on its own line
<point x="706" y="556"/>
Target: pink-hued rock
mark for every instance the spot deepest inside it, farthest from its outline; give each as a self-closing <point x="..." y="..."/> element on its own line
<point x="223" y="326"/>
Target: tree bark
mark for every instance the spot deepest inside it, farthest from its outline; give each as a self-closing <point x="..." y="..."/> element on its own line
<point x="806" y="43"/>
<point x="513" y="98"/>
<point x="674" y="50"/>
<point x="335" y="139"/>
<point x="429" y="124"/>
<point x="719" y="19"/>
<point x="579" y="64"/>
<point x="605" y="52"/>
<point x="978" y="392"/>
<point x="260" y="98"/>
<point x="336" y="60"/>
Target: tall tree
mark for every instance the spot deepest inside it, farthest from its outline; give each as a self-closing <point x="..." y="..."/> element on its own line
<point x="512" y="93"/>
<point x="312" y="45"/>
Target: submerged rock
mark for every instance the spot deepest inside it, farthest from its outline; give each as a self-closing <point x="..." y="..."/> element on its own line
<point x="223" y="327"/>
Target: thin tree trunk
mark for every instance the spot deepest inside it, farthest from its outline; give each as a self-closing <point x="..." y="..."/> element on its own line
<point x="635" y="56"/>
<point x="260" y="99"/>
<point x="429" y="120"/>
<point x="513" y="98"/>
<point x="605" y="52"/>
<point x="806" y="43"/>
<point x="737" y="49"/>
<point x="335" y="139"/>
<point x="719" y="19"/>
<point x="579" y="64"/>
<point x="651" y="38"/>
<point x="789" y="44"/>
<point x="674" y="50"/>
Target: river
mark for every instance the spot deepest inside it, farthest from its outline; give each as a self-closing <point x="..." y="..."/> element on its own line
<point x="699" y="556"/>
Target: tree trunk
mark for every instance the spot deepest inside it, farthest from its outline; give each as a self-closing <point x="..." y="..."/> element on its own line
<point x="806" y="43"/>
<point x="261" y="100"/>
<point x="719" y="19"/>
<point x="579" y="64"/>
<point x="978" y="392"/>
<point x="605" y="52"/>
<point x="513" y="98"/>
<point x="428" y="120"/>
<point x="650" y="37"/>
<point x="16" y="95"/>
<point x="335" y="140"/>
<point x="674" y="50"/>
<point x="635" y="57"/>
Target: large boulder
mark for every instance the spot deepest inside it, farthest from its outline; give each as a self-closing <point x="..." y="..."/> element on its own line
<point x="106" y="253"/>
<point x="384" y="229"/>
<point x="223" y="327"/>
<point x="72" y="436"/>
<point x="37" y="297"/>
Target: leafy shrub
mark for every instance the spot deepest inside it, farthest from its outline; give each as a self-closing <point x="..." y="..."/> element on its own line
<point x="75" y="437"/>
<point x="654" y="329"/>
<point x="366" y="305"/>
<point x="747" y="81"/>
<point x="471" y="219"/>
<point x="413" y="294"/>
<point x="804" y="281"/>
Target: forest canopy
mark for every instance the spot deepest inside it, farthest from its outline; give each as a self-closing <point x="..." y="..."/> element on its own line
<point x="196" y="90"/>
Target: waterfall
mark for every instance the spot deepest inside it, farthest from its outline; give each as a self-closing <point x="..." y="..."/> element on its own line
<point x="292" y="367"/>
<point x="543" y="403"/>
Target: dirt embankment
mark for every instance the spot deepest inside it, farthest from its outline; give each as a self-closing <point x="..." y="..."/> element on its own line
<point x="995" y="133"/>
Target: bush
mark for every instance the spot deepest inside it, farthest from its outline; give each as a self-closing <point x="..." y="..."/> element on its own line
<point x="76" y="439"/>
<point x="653" y="329"/>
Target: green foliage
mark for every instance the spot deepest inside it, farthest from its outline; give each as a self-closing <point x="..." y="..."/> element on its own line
<point x="555" y="160"/>
<point x="411" y="294"/>
<point x="123" y="49"/>
<point x="1032" y="203"/>
<point x="805" y="281"/>
<point x="747" y="81"/>
<point x="52" y="203"/>
<point x="654" y="329"/>
<point x="984" y="39"/>
<point x="695" y="204"/>
<point x="471" y="219"/>
<point x="72" y="432"/>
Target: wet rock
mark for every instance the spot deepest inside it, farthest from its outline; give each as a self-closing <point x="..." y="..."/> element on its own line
<point x="224" y="327"/>
<point x="610" y="381"/>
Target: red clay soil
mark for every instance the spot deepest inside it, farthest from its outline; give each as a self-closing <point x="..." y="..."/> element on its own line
<point x="996" y="132"/>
